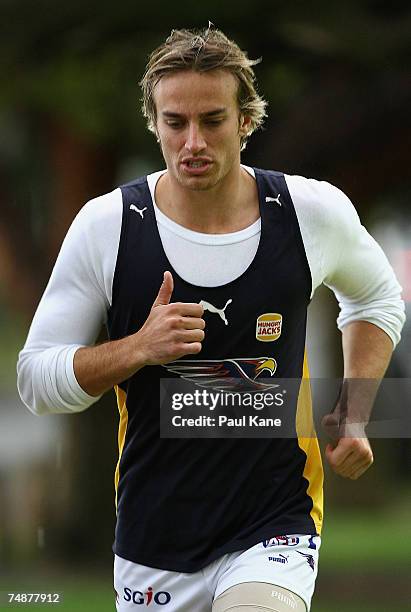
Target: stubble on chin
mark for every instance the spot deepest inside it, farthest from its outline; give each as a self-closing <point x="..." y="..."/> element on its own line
<point x="199" y="185"/>
<point x="196" y="183"/>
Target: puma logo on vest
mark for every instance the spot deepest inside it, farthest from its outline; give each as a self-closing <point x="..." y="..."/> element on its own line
<point x="277" y="199"/>
<point x="140" y="212"/>
<point x="219" y="311"/>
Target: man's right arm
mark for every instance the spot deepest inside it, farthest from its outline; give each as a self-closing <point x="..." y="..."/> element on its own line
<point x="59" y="368"/>
<point x="72" y="310"/>
<point x="170" y="331"/>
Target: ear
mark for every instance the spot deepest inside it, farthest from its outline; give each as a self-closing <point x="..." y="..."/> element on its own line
<point x="245" y="124"/>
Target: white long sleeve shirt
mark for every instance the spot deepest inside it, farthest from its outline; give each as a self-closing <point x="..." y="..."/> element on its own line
<point x="340" y="253"/>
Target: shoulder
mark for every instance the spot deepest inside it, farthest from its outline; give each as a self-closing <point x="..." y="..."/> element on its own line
<point x="321" y="203"/>
<point x="91" y="244"/>
<point x="101" y="210"/>
<point x="98" y="222"/>
<point x="328" y="222"/>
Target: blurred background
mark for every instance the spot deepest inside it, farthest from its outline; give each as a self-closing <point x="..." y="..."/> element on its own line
<point x="337" y="79"/>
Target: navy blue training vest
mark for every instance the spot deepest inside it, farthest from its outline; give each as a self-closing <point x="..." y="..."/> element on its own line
<point x="182" y="503"/>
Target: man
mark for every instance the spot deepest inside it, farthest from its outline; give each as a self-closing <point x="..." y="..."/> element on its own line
<point x="181" y="266"/>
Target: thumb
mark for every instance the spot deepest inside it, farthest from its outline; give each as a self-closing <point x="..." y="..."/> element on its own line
<point x="165" y="291"/>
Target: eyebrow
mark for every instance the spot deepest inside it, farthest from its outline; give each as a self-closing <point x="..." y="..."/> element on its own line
<point x="213" y="113"/>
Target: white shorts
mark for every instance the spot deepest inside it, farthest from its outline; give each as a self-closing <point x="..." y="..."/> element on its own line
<point x="289" y="561"/>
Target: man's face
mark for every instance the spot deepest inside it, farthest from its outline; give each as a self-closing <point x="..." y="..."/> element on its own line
<point x="199" y="126"/>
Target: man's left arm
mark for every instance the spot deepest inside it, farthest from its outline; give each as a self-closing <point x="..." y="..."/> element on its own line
<point x="371" y="317"/>
<point x="367" y="351"/>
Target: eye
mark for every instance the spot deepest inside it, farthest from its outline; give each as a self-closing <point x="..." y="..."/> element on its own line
<point x="174" y="124"/>
<point x="214" y="122"/>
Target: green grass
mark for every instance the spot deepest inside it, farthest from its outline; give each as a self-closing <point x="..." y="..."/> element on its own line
<point x="375" y="541"/>
<point x="364" y="567"/>
<point x="334" y="606"/>
<point x="77" y="595"/>
<point x="98" y="596"/>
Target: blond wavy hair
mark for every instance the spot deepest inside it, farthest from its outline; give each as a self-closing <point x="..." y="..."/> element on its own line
<point x="204" y="50"/>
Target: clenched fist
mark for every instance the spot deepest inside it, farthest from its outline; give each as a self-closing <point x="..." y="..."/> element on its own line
<point x="350" y="455"/>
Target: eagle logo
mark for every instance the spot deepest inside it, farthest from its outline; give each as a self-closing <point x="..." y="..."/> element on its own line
<point x="309" y="559"/>
<point x="240" y="374"/>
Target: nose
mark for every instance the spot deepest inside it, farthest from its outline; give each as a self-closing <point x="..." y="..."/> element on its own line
<point x="194" y="140"/>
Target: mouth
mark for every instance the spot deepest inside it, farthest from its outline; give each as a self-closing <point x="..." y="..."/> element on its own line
<point x="196" y="166"/>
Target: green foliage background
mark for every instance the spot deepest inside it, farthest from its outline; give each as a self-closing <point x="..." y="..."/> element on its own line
<point x="336" y="76"/>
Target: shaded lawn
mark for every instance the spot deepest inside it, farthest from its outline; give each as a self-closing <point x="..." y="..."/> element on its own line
<point x="363" y="567"/>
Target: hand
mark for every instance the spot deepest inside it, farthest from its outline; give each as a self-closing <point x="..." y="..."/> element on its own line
<point x="350" y="455"/>
<point x="171" y="330"/>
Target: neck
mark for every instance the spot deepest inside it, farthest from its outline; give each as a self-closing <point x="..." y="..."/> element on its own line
<point x="229" y="206"/>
